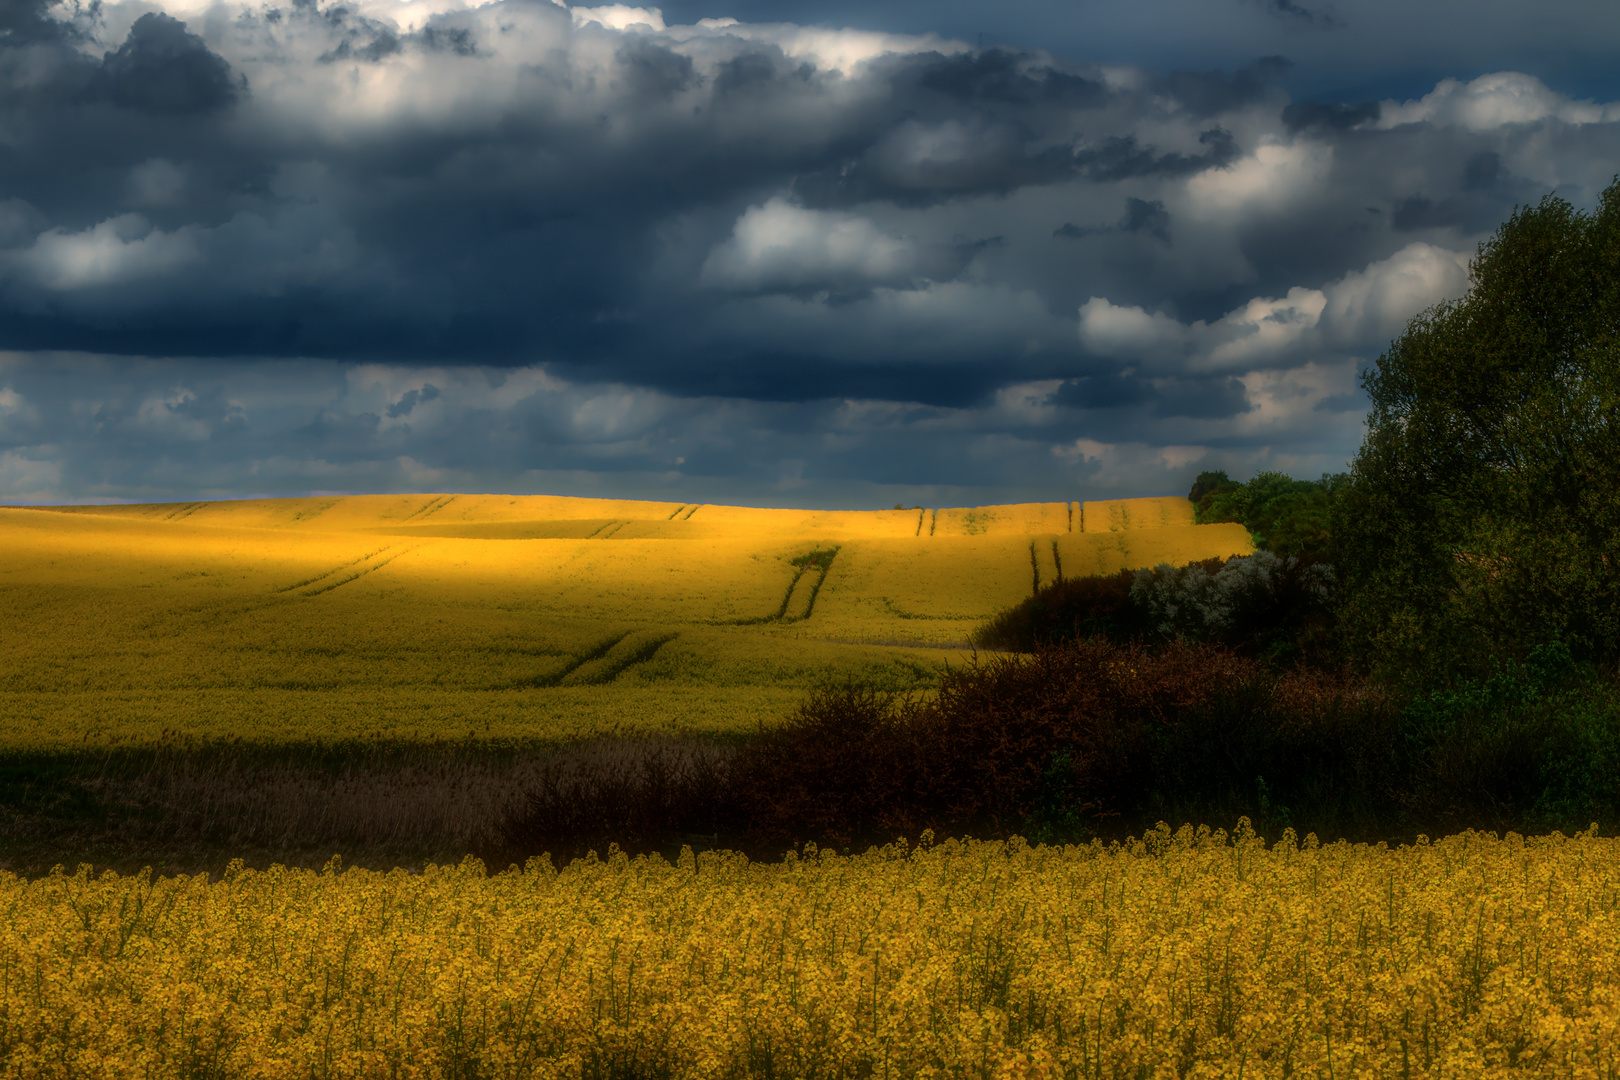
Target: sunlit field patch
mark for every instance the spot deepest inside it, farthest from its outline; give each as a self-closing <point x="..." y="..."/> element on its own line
<point x="508" y="619"/>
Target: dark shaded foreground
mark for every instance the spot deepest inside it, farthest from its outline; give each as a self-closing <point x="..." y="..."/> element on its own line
<point x="1083" y="741"/>
<point x="1094" y="740"/>
<point x="193" y="809"/>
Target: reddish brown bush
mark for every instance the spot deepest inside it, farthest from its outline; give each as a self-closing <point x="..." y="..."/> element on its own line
<point x="1089" y="727"/>
<point x="1084" y="739"/>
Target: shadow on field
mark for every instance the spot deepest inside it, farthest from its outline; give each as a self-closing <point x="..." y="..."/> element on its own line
<point x="194" y="809"/>
<point x="1084" y="741"/>
<point x="1093" y="740"/>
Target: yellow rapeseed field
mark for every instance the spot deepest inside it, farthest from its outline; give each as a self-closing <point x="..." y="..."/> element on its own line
<point x="505" y="618"/>
<point x="1179" y="955"/>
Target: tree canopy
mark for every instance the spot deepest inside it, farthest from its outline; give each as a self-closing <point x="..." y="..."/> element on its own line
<point x="1482" y="513"/>
<point x="1286" y="517"/>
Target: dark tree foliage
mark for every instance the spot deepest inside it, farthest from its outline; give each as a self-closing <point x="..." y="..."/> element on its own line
<point x="1482" y="517"/>
<point x="1069" y="609"/>
<point x="1260" y="605"/>
<point x="1286" y="517"/>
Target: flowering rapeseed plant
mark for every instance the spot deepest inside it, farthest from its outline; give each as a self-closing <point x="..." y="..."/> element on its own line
<point x="1180" y="954"/>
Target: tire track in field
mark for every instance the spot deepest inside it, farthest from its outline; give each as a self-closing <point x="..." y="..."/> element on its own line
<point x="636" y="647"/>
<point x="1036" y="553"/>
<point x="335" y="570"/>
<point x="818" y="562"/>
<point x="577" y="661"/>
<point x="435" y="509"/>
<point x="358" y="574"/>
<point x="431" y="506"/>
<point x="184" y="512"/>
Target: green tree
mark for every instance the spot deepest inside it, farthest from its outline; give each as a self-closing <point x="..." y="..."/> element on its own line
<point x="1482" y="516"/>
<point x="1284" y="516"/>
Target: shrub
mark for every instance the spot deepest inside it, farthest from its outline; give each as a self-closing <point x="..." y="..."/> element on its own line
<point x="1077" y="740"/>
<point x="1281" y="609"/>
<point x="1092" y="739"/>
<point x="1258" y="604"/>
<point x="1069" y="609"/>
<point x="1536" y="746"/>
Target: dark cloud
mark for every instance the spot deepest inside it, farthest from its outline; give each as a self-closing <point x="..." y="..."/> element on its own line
<point x="1104" y="391"/>
<point x="410" y="399"/>
<point x="1334" y="115"/>
<point x="1483" y="170"/>
<point x="653" y="71"/>
<point x="1123" y="158"/>
<point x="1001" y="76"/>
<point x="842" y="237"/>
<point x="1201" y="399"/>
<point x="1210" y="93"/>
<point x="163" y="68"/>
<point x="357" y="37"/>
<point x="458" y="40"/>
<point x="921" y="165"/>
<point x="758" y="71"/>
<point x="1373" y="48"/>
<point x="1415" y="212"/>
<point x="25" y="22"/>
<point x="1149" y="218"/>
<point x="964" y="125"/>
<point x="1288" y="9"/>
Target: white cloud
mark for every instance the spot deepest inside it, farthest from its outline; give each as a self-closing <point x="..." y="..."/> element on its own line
<point x="1274" y="175"/>
<point x="782" y="247"/>
<point x="1363" y="308"/>
<point x="1083" y="449"/>
<point x="1115" y="330"/>
<point x="620" y="17"/>
<point x="1373" y="305"/>
<point x="1494" y="101"/>
<point x="122" y="258"/>
<point x="833" y="50"/>
<point x="1283" y="401"/>
<point x="1029" y="404"/>
<point x="120" y="249"/>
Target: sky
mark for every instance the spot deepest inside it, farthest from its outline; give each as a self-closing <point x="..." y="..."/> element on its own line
<point x="749" y="251"/>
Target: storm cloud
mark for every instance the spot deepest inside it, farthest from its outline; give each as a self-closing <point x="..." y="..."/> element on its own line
<point x="250" y="248"/>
